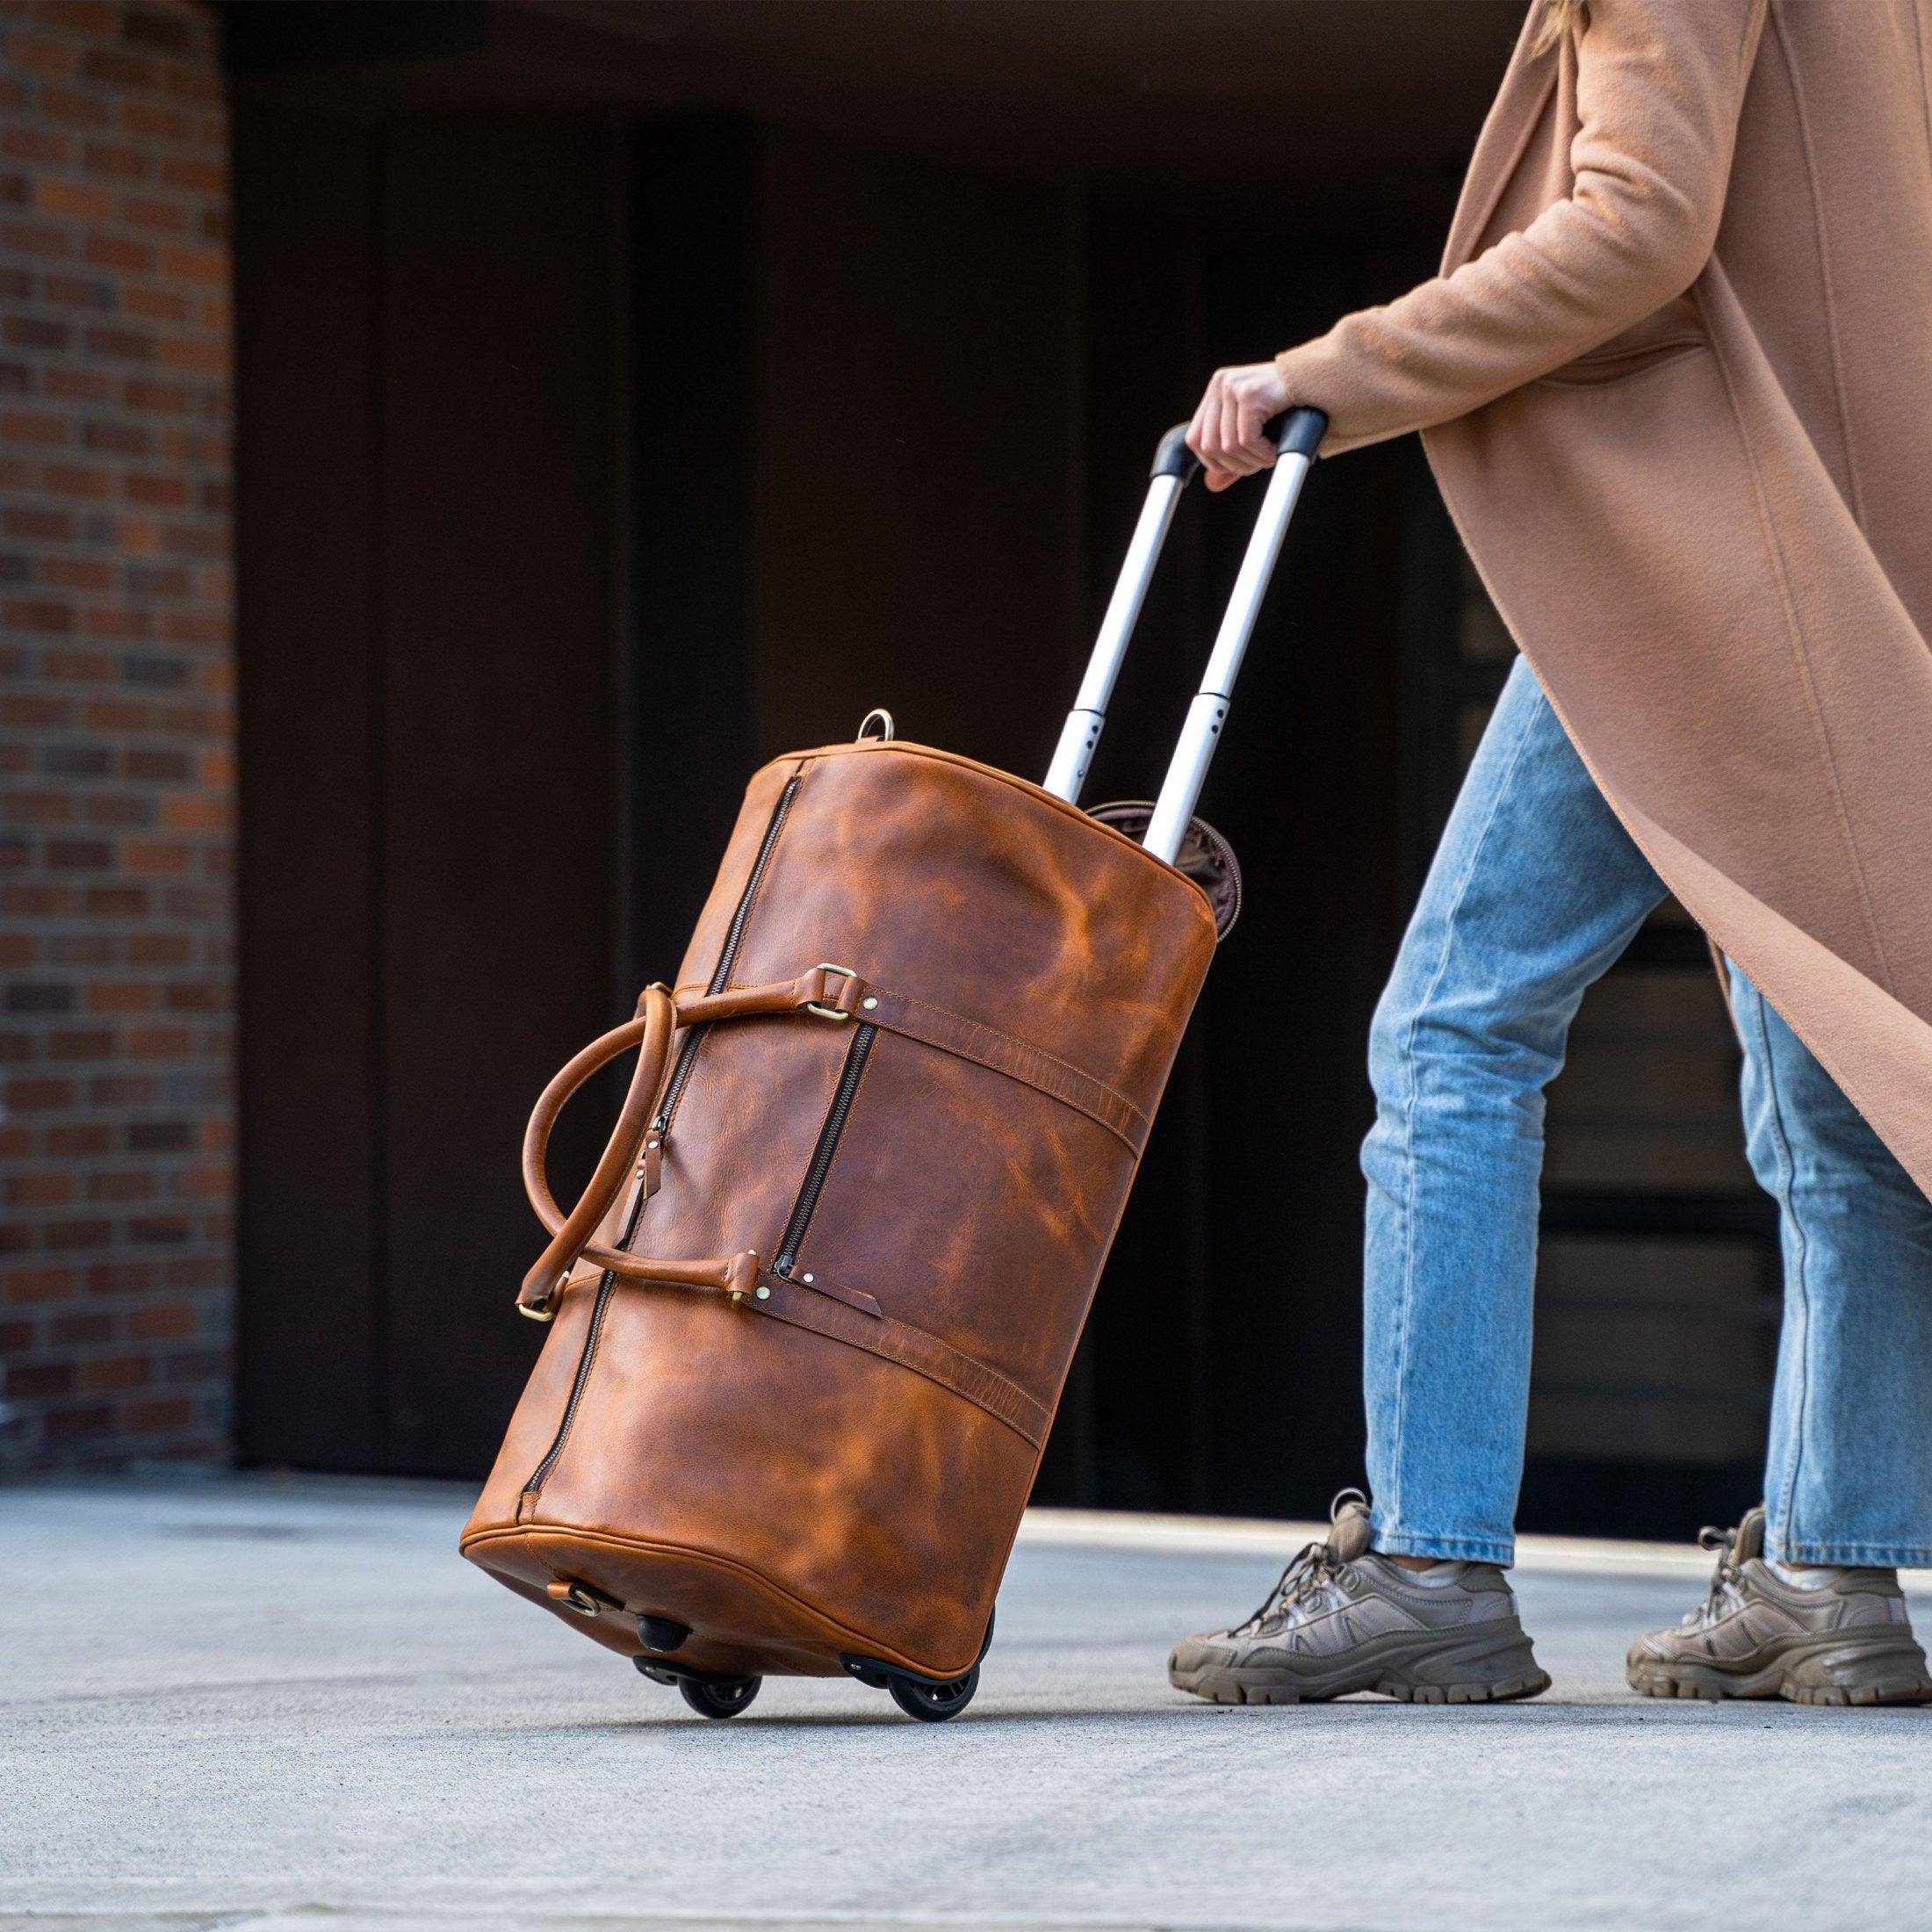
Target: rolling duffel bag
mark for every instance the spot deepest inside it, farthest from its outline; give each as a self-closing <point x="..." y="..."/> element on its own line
<point x="809" y="1321"/>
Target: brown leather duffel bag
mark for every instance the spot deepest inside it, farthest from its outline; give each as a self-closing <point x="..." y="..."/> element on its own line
<point x="892" y="1107"/>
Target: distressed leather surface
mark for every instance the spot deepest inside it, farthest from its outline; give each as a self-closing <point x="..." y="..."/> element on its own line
<point x="794" y="1492"/>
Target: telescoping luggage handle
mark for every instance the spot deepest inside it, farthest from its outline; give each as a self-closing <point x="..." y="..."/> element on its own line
<point x="1297" y="436"/>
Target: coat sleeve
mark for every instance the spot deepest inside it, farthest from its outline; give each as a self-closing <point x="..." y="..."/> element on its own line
<point x="1659" y="85"/>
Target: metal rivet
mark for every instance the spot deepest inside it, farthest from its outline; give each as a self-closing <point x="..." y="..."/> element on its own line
<point x="869" y="1002"/>
<point x="808" y="1278"/>
<point x="764" y="1294"/>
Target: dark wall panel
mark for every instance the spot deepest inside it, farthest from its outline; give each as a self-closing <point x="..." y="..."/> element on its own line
<point x="916" y="424"/>
<point x="498" y="492"/>
<point x="687" y="740"/>
<point x="308" y="1374"/>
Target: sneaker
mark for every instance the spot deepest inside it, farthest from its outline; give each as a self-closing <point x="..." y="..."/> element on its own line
<point x="1342" y="1620"/>
<point x="1844" y="1640"/>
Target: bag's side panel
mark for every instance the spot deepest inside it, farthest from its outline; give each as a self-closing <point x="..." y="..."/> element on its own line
<point x="972" y="1205"/>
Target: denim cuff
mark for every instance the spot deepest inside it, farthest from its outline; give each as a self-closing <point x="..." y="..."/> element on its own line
<point x="1850" y="1556"/>
<point x="1447" y="1549"/>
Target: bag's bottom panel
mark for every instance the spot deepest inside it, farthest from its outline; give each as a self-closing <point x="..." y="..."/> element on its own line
<point x="739" y="1625"/>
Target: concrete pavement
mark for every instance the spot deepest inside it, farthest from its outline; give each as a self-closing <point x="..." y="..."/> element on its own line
<point x="286" y="1703"/>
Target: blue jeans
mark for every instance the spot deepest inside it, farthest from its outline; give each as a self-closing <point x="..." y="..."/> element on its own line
<point x="1534" y="891"/>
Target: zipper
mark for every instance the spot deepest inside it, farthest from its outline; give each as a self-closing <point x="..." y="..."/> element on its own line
<point x="734" y="937"/>
<point x="822" y="1153"/>
<point x="595" y="1334"/>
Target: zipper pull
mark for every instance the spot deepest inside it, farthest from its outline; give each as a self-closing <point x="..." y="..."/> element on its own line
<point x="650" y="1163"/>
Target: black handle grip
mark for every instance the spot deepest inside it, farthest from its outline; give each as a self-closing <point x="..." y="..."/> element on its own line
<point x="1175" y="459"/>
<point x="1295" y="432"/>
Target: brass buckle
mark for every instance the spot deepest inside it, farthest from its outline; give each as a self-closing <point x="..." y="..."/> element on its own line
<point x="830" y="1013"/>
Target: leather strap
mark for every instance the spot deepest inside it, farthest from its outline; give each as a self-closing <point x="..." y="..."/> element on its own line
<point x="913" y="1348"/>
<point x="832" y="993"/>
<point x="1005" y="1053"/>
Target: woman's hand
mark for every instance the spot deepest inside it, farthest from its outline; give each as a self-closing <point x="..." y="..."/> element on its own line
<point x="1226" y="432"/>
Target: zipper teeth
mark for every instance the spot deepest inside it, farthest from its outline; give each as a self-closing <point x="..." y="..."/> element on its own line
<point x="734" y="935"/>
<point x="822" y="1153"/>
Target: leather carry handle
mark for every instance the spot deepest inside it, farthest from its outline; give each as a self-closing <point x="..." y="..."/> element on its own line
<point x="830" y="990"/>
<point x="649" y="1033"/>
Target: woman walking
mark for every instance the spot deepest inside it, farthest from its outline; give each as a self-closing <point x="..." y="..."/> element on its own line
<point x="1676" y="383"/>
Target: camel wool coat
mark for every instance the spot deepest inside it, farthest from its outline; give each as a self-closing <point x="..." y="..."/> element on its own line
<point x="1675" y="382"/>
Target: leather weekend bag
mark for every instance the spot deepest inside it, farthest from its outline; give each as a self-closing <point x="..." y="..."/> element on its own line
<point x="809" y="1321"/>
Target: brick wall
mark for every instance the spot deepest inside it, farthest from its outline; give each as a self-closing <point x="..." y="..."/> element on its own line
<point x="116" y="734"/>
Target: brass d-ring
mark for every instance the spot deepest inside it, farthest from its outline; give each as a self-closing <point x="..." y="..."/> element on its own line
<point x="830" y="1013"/>
<point x="887" y="728"/>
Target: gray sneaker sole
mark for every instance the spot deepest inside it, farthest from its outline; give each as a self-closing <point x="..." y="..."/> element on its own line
<point x="1835" y="1669"/>
<point x="1423" y="1666"/>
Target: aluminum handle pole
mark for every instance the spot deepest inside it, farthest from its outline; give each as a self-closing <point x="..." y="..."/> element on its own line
<point x="1181" y="791"/>
<point x="1081" y="732"/>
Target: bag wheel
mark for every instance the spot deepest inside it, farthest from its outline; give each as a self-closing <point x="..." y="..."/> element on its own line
<point x="934" y="1703"/>
<point x="718" y="1697"/>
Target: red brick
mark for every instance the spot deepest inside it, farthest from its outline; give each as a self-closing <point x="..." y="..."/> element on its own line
<point x="82" y="1043"/>
<point x="43" y="53"/>
<point x="159" y="1413"/>
<point x="80" y="106"/>
<point x="116" y="1371"/>
<point x="70" y="200"/>
<point x="26" y="1286"/>
<point x="43" y="429"/>
<point x="78" y="573"/>
<point x="33" y="520"/>
<point x="78" y="1331"/>
<point x="120" y="344"/>
<point x="109" y="1188"/>
<point x="26" y="1380"/>
<point x="122" y="1277"/>
<point x="162" y="1321"/>
<point x="79" y="385"/>
<point x="37" y="808"/>
<point x="39" y="1190"/>
<point x="40" y="1095"/>
<point x="62" y="1234"/>
<point x="43" y="239"/>
<point x="119" y="161"/>
<point x="116" y="251"/>
<point x="92" y="19"/>
<point x="65" y="1427"/>
<point x="35" y="144"/>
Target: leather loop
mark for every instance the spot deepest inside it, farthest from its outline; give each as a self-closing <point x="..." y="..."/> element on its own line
<point x="827" y="988"/>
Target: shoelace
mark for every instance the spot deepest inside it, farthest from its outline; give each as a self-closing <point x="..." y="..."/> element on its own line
<point x="1723" y="1579"/>
<point x="1311" y="1567"/>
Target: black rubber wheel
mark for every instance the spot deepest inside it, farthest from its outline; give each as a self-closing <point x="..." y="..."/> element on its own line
<point x="719" y="1697"/>
<point x="934" y="1703"/>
